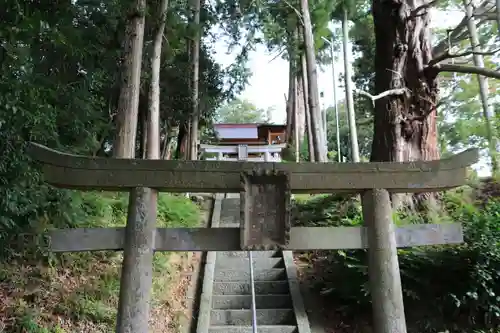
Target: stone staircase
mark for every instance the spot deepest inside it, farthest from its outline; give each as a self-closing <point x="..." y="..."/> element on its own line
<point x="226" y="300"/>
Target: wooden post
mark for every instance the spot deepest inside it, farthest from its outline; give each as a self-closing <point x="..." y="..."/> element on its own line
<point x="137" y="275"/>
<point x="385" y="279"/>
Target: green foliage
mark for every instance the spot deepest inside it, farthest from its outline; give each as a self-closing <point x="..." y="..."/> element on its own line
<point x="365" y="134"/>
<point x="275" y="24"/>
<point x="59" y="85"/>
<point x="176" y="211"/>
<point x="241" y="111"/>
<point x="327" y="210"/>
<point x="462" y="124"/>
<point x="353" y="8"/>
<point x="28" y="324"/>
<point x="304" y="150"/>
<point x="363" y="39"/>
<point x="463" y="281"/>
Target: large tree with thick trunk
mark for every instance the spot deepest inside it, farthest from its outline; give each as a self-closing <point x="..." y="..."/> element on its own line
<point x="406" y="74"/>
<point x="128" y="102"/>
<point x="406" y="85"/>
<point x="405" y="126"/>
<point x="406" y="69"/>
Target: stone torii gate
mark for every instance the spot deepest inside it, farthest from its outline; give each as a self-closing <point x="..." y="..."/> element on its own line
<point x="265" y="221"/>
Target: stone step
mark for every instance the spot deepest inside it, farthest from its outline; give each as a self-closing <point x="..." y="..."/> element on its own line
<point x="243" y="288"/>
<point x="231" y="300"/>
<point x="230" y="212"/>
<point x="271" y="274"/>
<point x="223" y="302"/>
<point x="230" y="225"/>
<point x="260" y="329"/>
<point x="244" y="254"/>
<point x="230" y="209"/>
<point x="231" y="202"/>
<point x="243" y="263"/>
<point x="244" y="317"/>
<point x="229" y="222"/>
<point x="233" y="196"/>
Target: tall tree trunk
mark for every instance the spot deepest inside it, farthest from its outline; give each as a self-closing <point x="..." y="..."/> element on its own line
<point x="195" y="66"/>
<point x="153" y="116"/>
<point x="128" y="102"/>
<point x="186" y="124"/>
<point x="153" y="129"/>
<point x="137" y="266"/>
<point x="300" y="120"/>
<point x="143" y="131"/>
<point x="335" y="101"/>
<point x="170" y="144"/>
<point x="312" y="77"/>
<point x="295" y="108"/>
<point x="163" y="138"/>
<point x="351" y="115"/>
<point x="497" y="8"/>
<point x="180" y="151"/>
<point x="307" y="110"/>
<point x="290" y="121"/>
<point x="300" y="108"/>
<point x="488" y="112"/>
<point x="295" y="101"/>
<point x="404" y="125"/>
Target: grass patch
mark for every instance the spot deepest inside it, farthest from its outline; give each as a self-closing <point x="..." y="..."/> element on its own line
<point x="78" y="292"/>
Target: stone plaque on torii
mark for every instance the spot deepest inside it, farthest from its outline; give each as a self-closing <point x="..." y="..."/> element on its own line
<point x="265" y="190"/>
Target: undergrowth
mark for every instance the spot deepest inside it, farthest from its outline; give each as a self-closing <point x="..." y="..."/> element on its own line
<point x="449" y="287"/>
<point x="42" y="292"/>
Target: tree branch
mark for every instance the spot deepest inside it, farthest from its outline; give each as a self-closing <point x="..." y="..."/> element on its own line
<point x="417" y="10"/>
<point x="280" y="52"/>
<point x="487" y="16"/>
<point x="448" y="55"/>
<point x="297" y="12"/>
<point x="466" y="70"/>
<point x="460" y="32"/>
<point x="373" y="98"/>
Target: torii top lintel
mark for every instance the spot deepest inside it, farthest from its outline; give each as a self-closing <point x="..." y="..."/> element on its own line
<point x="97" y="173"/>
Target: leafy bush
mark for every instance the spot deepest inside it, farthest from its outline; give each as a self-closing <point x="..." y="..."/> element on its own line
<point x="446" y="284"/>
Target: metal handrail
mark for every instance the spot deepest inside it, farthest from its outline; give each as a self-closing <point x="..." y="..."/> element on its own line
<point x="252" y="290"/>
<point x="242" y="151"/>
